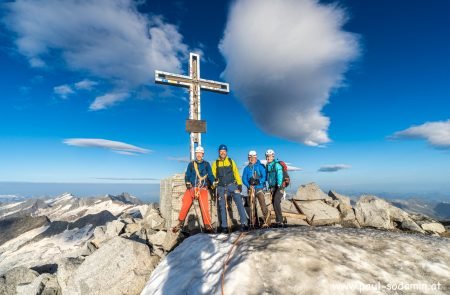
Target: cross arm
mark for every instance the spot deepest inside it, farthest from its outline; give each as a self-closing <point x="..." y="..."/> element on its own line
<point x="214" y="86"/>
<point x="172" y="79"/>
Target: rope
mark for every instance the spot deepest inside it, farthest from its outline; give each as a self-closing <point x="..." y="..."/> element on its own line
<point x="227" y="260"/>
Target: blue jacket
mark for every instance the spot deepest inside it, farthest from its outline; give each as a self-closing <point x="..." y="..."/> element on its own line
<point x="258" y="170"/>
<point x="274" y="174"/>
<point x="204" y="168"/>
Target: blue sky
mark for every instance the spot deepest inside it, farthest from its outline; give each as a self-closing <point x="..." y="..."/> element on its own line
<point x="357" y="84"/>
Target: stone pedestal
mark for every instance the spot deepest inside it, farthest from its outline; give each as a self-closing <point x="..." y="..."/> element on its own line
<point x="172" y="190"/>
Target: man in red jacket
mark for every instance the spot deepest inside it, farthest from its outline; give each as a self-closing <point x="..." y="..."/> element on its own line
<point x="198" y="178"/>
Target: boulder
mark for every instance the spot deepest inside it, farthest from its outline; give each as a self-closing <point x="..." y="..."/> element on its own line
<point x="153" y="219"/>
<point x="114" y="228"/>
<point x="310" y="192"/>
<point x="120" y="266"/>
<point x="45" y="284"/>
<point x="132" y="228"/>
<point x="288" y="206"/>
<point x="107" y="232"/>
<point x="345" y="208"/>
<point x="171" y="240"/>
<point x="372" y="211"/>
<point x="375" y="212"/>
<point x="156" y="238"/>
<point x="409" y="224"/>
<point x="14" y="277"/>
<point x="66" y="267"/>
<point x="319" y="213"/>
<point x="434" y="227"/>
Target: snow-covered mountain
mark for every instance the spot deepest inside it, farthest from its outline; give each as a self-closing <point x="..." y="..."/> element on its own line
<point x="36" y="231"/>
<point x="306" y="260"/>
<point x="112" y="245"/>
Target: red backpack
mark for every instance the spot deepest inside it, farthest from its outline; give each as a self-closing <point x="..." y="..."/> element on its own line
<point x="286" y="178"/>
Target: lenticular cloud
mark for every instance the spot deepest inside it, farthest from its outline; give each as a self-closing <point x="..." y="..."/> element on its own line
<point x="283" y="60"/>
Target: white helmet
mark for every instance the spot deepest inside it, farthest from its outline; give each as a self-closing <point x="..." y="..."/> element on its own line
<point x="270" y="152"/>
<point x="199" y="149"/>
<point x="252" y="153"/>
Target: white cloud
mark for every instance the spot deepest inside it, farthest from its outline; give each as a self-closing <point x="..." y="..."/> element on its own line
<point x="107" y="39"/>
<point x="107" y="100"/>
<point x="115" y="146"/>
<point x="179" y="159"/>
<point x="437" y="134"/>
<point x="63" y="91"/>
<point x="333" y="168"/>
<point x="85" y="84"/>
<point x="284" y="58"/>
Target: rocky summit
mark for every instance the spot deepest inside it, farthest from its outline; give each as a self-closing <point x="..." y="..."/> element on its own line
<point x="119" y="245"/>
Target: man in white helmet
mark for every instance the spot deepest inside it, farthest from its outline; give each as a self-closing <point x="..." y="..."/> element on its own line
<point x="198" y="178"/>
<point x="275" y="181"/>
<point x="254" y="178"/>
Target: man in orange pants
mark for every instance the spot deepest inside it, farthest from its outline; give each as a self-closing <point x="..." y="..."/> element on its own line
<point x="198" y="177"/>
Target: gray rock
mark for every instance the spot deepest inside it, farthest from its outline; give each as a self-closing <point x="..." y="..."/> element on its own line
<point x="153" y="219"/>
<point x="375" y="212"/>
<point x="309" y="192"/>
<point x="288" y="206"/>
<point x="319" y="213"/>
<point x="409" y="224"/>
<point x="341" y="198"/>
<point x="372" y="211"/>
<point x="159" y="252"/>
<point x="114" y="228"/>
<point x="157" y="238"/>
<point x="434" y="227"/>
<point x="120" y="266"/>
<point x="107" y="232"/>
<point x="171" y="240"/>
<point x="45" y="284"/>
<point x="132" y="228"/>
<point x="66" y="267"/>
<point x="14" y="277"/>
<point x="344" y="206"/>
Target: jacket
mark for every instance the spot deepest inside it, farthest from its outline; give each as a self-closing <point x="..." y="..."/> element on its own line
<point x="226" y="172"/>
<point x="204" y="168"/>
<point x="256" y="170"/>
<point x="274" y="174"/>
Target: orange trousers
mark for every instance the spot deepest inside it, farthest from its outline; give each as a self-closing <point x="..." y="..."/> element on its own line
<point x="187" y="200"/>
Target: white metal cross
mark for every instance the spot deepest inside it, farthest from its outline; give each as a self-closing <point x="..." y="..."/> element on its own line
<point x="195" y="84"/>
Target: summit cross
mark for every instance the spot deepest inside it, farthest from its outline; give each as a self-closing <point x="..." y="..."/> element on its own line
<point x="194" y="125"/>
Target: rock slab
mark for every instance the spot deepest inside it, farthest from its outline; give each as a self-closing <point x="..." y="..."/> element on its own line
<point x="120" y="266"/>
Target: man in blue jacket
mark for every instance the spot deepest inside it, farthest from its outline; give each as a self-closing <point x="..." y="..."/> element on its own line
<point x="275" y="180"/>
<point x="254" y="178"/>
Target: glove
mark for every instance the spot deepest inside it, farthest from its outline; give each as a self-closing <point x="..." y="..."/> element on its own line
<point x="188" y="185"/>
<point x="240" y="188"/>
<point x="254" y="181"/>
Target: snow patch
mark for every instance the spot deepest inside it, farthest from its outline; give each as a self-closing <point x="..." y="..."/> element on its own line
<point x="303" y="261"/>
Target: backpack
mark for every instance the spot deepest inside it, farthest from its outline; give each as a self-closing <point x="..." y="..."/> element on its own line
<point x="286" y="177"/>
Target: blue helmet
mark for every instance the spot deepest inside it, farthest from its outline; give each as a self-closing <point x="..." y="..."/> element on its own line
<point x="223" y="147"/>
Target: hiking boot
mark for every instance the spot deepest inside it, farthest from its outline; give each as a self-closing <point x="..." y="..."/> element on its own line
<point x="244" y="227"/>
<point x="177" y="227"/>
<point x="221" y="230"/>
<point x="277" y="225"/>
<point x="208" y="229"/>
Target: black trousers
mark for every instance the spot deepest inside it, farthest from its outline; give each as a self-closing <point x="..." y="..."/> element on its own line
<point x="276" y="202"/>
